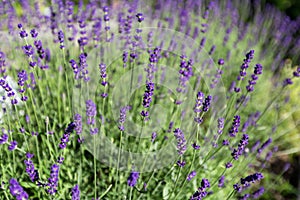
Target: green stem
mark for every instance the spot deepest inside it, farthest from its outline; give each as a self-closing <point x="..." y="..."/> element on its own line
<point x="95" y="168"/>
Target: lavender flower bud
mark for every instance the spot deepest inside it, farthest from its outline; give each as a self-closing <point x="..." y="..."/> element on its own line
<point x="3" y="138"/>
<point x="30" y="169"/>
<point x="53" y="180"/>
<point x="191" y="175"/>
<point x="256" y="194"/>
<point x="12" y="146"/>
<point x="235" y="126"/>
<point x="264" y="145"/>
<point x="181" y="142"/>
<point x="75" y="193"/>
<point x="132" y="179"/>
<point x="241" y="147"/>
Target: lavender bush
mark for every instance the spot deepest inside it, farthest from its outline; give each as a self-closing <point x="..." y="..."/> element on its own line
<point x="146" y="99"/>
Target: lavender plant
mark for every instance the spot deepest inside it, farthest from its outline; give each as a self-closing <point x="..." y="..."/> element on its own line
<point x="146" y="99"/>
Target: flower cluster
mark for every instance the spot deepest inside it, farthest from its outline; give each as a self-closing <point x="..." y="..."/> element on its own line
<point x="202" y="105"/>
<point x="91" y="112"/>
<point x="147" y="98"/>
<point x="83" y="67"/>
<point x="235" y="126"/>
<point x="236" y="153"/>
<point x="264" y="145"/>
<point x="12" y="145"/>
<point x="257" y="71"/>
<point x="78" y="123"/>
<point x="201" y="192"/>
<point x="22" y="78"/>
<point x="186" y="72"/>
<point x="65" y="139"/>
<point x="181" y="142"/>
<point x="39" y="48"/>
<point x="244" y="67"/>
<point x="2" y="64"/>
<point x="30" y="169"/>
<point x="3" y="138"/>
<point x="61" y="38"/>
<point x="122" y="118"/>
<point x="245" y="182"/>
<point x="16" y="190"/>
<point x="75" y="193"/>
<point x="140" y="17"/>
<point x="53" y="180"/>
<point x="103" y="76"/>
<point x="191" y="175"/>
<point x="9" y="91"/>
<point x="133" y="178"/>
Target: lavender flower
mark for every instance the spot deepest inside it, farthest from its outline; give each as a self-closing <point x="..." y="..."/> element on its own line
<point x="123" y="117"/>
<point x="297" y="72"/>
<point x="198" y="107"/>
<point x="244" y="67"/>
<point x="236" y="153"/>
<point x="287" y="81"/>
<point x="39" y="47"/>
<point x="147" y="98"/>
<point x="2" y="64"/>
<point x="206" y="103"/>
<point x="221" y="61"/>
<point x="12" y="146"/>
<point x="91" y="112"/>
<point x="225" y="142"/>
<point x="33" y="33"/>
<point x="28" y="50"/>
<point x="244" y="197"/>
<point x="235" y="126"/>
<point x="16" y="190"/>
<point x="22" y="33"/>
<point x="201" y="192"/>
<point x="3" y="138"/>
<point x="65" y="139"/>
<point x="180" y="163"/>
<point x="199" y="102"/>
<point x="22" y="78"/>
<point x="195" y="146"/>
<point x="153" y="136"/>
<point x="61" y="38"/>
<point x="221" y="182"/>
<point x="30" y="169"/>
<point x="256" y="194"/>
<point x="103" y="75"/>
<point x="53" y="180"/>
<point x="140" y="17"/>
<point x="186" y="72"/>
<point x="254" y="76"/>
<point x="264" y="145"/>
<point x="132" y="179"/>
<point x="60" y="160"/>
<point x="181" y="142"/>
<point x="252" y="178"/>
<point x="191" y="175"/>
<point x="75" y="193"/>
<point x="75" y="68"/>
<point x="228" y="165"/>
<point x="220" y="125"/>
<point x="255" y="145"/>
<point x="83" y="67"/>
<point x="78" y="123"/>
